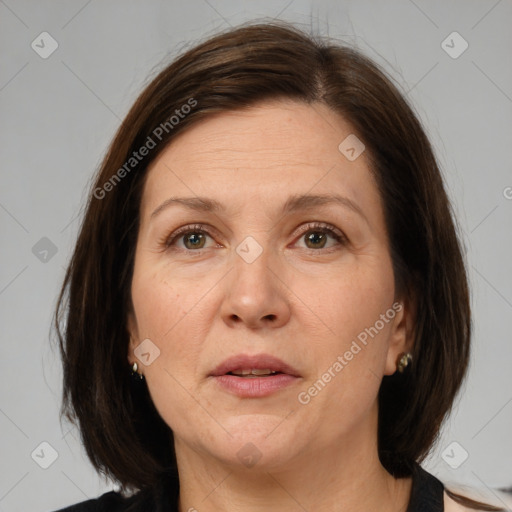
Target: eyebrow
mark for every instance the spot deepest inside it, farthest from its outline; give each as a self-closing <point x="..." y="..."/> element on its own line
<point x="293" y="204"/>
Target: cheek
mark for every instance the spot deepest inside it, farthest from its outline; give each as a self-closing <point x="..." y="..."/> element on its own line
<point x="356" y="297"/>
<point x="157" y="305"/>
<point x="164" y="314"/>
<point x="161" y="297"/>
<point x="356" y="305"/>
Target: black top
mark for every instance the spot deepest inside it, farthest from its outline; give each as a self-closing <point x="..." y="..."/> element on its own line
<point x="426" y="496"/>
<point x="427" y="493"/>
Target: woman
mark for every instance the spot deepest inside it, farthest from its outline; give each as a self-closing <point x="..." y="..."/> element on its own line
<point x="270" y="252"/>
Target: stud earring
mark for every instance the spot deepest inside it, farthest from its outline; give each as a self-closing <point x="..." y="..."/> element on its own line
<point x="135" y="373"/>
<point x="404" y="360"/>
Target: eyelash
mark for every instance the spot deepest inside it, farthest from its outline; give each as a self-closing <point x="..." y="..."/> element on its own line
<point x="320" y="227"/>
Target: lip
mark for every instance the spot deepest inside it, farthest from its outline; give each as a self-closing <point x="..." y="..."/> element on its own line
<point x="256" y="362"/>
<point x="254" y="387"/>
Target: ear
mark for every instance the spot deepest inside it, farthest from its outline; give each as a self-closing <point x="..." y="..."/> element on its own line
<point x="401" y="338"/>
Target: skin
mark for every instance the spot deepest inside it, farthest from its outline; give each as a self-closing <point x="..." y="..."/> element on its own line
<point x="301" y="302"/>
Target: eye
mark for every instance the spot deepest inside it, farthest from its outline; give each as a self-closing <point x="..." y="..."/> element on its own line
<point x="316" y="235"/>
<point x="193" y="237"/>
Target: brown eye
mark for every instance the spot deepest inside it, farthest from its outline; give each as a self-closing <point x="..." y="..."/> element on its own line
<point x="195" y="239"/>
<point x="317" y="239"/>
<point x="188" y="238"/>
<point x="318" y="235"/>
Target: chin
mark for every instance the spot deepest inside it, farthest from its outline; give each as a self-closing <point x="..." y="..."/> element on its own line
<point x="257" y="441"/>
<point x="258" y="427"/>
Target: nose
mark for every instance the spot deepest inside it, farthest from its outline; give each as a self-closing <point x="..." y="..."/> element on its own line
<point x="255" y="296"/>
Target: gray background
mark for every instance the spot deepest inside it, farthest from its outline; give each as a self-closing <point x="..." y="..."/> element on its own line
<point x="59" y="114"/>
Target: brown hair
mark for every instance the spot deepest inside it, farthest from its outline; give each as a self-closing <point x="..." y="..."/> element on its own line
<point x="123" y="434"/>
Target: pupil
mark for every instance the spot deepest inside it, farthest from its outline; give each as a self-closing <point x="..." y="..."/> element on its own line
<point x="194" y="239"/>
<point x="316" y="238"/>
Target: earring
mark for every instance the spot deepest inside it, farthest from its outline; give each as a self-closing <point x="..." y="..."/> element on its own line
<point x="135" y="373"/>
<point x="405" y="359"/>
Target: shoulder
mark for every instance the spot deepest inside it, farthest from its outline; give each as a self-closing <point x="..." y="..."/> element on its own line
<point x="109" y="502"/>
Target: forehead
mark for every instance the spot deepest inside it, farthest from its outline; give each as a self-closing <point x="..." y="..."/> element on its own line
<point x="265" y="153"/>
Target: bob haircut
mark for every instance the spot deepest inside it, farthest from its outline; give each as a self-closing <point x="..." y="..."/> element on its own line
<point x="123" y="434"/>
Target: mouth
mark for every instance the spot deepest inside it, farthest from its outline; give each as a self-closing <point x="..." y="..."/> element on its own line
<point x="252" y="373"/>
<point x="258" y="365"/>
<point x="254" y="376"/>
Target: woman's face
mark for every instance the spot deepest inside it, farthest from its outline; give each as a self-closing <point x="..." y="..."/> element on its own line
<point x="275" y="277"/>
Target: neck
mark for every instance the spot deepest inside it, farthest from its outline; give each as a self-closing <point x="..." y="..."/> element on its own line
<point x="347" y="478"/>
